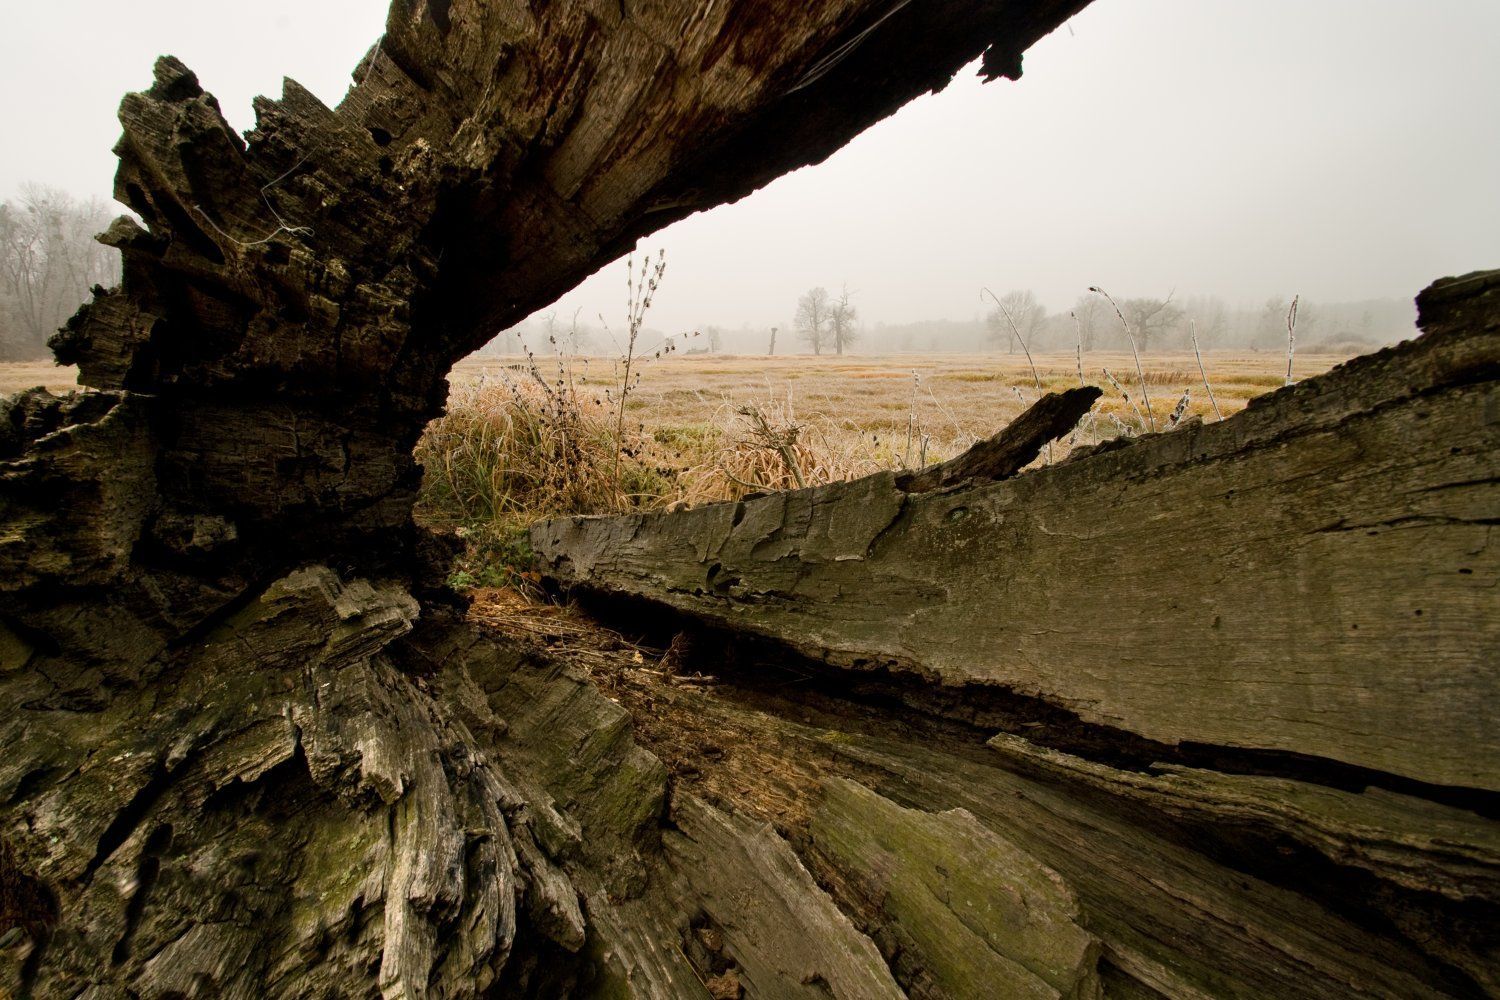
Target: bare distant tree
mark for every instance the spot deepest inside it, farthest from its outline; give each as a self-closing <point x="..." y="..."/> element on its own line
<point x="1211" y="317"/>
<point x="1270" y="325"/>
<point x="841" y="317"/>
<point x="1151" y="319"/>
<point x="813" y="315"/>
<point x="49" y="260"/>
<point x="1093" y="318"/>
<point x="580" y="337"/>
<point x="1025" y="311"/>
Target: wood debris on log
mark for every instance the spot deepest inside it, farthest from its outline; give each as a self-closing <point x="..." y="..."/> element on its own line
<point x="1012" y="449"/>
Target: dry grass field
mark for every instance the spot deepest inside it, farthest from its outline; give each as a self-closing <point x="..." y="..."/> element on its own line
<point x="518" y="445"/>
<point x="860" y="409"/>
<point x="18" y="375"/>
<point x="955" y="398"/>
<point x="693" y="432"/>
<point x="958" y="395"/>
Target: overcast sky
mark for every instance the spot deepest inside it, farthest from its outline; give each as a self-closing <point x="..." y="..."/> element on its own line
<point x="1340" y="149"/>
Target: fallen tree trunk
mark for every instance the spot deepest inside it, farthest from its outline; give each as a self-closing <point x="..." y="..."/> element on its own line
<point x="249" y="747"/>
<point x="1274" y="630"/>
<point x="1241" y="585"/>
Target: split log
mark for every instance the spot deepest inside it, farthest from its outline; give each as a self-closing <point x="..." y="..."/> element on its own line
<point x="1268" y="640"/>
<point x="1245" y="584"/>
<point x="248" y="746"/>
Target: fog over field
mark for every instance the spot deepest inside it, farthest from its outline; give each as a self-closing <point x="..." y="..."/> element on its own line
<point x="1248" y="152"/>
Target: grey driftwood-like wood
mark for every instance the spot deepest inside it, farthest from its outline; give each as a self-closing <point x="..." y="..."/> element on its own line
<point x="1312" y="576"/>
<point x="247" y="744"/>
<point x="1269" y="640"/>
<point x="251" y="747"/>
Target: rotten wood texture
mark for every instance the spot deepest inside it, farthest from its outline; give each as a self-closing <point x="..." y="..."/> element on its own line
<point x="1013" y="448"/>
<point x="988" y="916"/>
<point x="1242" y="676"/>
<point x="250" y="747"/>
<point x="1222" y="894"/>
<point x="247" y="746"/>
<point x="1248" y="585"/>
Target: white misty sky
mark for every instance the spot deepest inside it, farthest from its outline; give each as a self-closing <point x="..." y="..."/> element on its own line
<point x="1340" y="149"/>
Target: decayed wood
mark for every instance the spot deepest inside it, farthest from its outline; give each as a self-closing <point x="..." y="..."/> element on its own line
<point x="1012" y="449"/>
<point x="1311" y="578"/>
<point x="1246" y="584"/>
<point x="784" y="935"/>
<point x="986" y="916"/>
<point x="1184" y="901"/>
<point x="228" y="768"/>
<point x="1410" y="841"/>
<point x="249" y="747"/>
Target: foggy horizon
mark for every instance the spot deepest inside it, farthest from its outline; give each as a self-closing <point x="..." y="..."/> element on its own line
<point x="1245" y="151"/>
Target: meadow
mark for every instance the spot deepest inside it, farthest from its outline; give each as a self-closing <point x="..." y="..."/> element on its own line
<point x="524" y="441"/>
<point x="18" y="375"/>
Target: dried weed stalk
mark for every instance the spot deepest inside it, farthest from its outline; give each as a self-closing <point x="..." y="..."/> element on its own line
<point x="1130" y="335"/>
<point x="1193" y="333"/>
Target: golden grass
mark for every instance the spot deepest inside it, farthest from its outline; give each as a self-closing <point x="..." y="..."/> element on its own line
<point x="689" y="439"/>
<point x="515" y="448"/>
<point x="18" y="375"/>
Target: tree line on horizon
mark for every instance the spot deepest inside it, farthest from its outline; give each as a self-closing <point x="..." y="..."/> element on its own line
<point x="825" y="324"/>
<point x="49" y="262"/>
<point x="1097" y="321"/>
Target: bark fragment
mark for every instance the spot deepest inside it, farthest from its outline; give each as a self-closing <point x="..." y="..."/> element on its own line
<point x="1011" y="449"/>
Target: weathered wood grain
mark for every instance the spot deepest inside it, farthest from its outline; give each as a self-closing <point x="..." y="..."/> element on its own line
<point x="985" y="916"/>
<point x="1312" y="576"/>
<point x="248" y="747"/>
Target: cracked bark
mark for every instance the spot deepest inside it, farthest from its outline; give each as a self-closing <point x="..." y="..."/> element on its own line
<point x="1241" y="584"/>
<point x="1268" y="638"/>
<point x="248" y="747"/>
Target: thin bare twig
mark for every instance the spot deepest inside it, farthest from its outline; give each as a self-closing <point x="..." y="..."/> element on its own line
<point x="1291" y="336"/>
<point x="1078" y="328"/>
<point x="1121" y="390"/>
<point x="281" y="224"/>
<point x="1180" y="410"/>
<point x="1035" y="378"/>
<point x="911" y="418"/>
<point x="1193" y="332"/>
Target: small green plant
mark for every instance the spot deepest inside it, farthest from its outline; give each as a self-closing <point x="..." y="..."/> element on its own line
<point x="494" y="557"/>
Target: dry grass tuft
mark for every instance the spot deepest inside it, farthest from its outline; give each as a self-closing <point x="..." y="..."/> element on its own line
<point x="516" y="446"/>
<point x="508" y="451"/>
